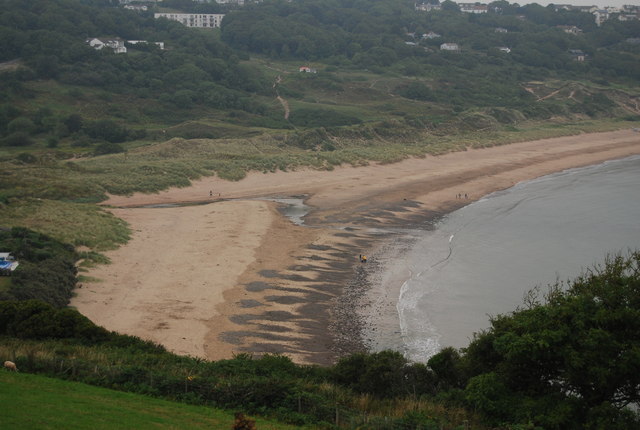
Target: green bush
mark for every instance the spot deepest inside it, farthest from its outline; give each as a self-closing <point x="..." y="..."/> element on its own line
<point x="26" y="158"/>
<point x="321" y="118"/>
<point x="108" y="148"/>
<point x="52" y="142"/>
<point x="51" y="280"/>
<point x="18" y="138"/>
<point x="47" y="268"/>
<point x="416" y="91"/>
<point x="384" y="374"/>
<point x="106" y="129"/>
<point x="21" y="124"/>
<point x="34" y="319"/>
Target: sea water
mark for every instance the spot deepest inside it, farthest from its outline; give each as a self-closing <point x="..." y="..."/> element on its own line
<point x="482" y="259"/>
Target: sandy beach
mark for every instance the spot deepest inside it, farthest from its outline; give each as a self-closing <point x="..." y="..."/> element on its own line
<point x="227" y="273"/>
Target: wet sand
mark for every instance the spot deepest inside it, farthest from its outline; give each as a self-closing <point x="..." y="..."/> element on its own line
<point x="235" y="276"/>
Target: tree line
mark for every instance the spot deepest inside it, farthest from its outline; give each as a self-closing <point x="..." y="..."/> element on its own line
<point x="207" y="69"/>
<point x="374" y="33"/>
<point x="48" y="39"/>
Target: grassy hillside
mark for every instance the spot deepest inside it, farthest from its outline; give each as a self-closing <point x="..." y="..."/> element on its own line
<point x="38" y="402"/>
<point x="521" y="373"/>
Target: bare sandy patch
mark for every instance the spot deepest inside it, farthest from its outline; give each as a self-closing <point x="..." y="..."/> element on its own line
<point x="164" y="285"/>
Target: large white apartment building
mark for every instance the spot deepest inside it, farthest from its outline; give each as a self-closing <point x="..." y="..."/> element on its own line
<point x="201" y="20"/>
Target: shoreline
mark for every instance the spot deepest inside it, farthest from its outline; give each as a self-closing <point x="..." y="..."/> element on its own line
<point x="413" y="336"/>
<point x="257" y="283"/>
<point x="380" y="324"/>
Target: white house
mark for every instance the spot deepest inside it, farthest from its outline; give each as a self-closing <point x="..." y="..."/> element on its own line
<point x="117" y="45"/>
<point x="504" y="49"/>
<point x="135" y="42"/>
<point x="431" y="35"/>
<point x="307" y="69"/>
<point x="449" y="47"/>
<point x="577" y="55"/>
<point x="628" y="17"/>
<point x="238" y="2"/>
<point x="200" y="20"/>
<point x="570" y="29"/>
<point x="473" y="8"/>
<point x="427" y="7"/>
<point x="587" y="9"/>
<point x="138" y="7"/>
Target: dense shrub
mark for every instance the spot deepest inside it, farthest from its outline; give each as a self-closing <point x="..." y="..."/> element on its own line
<point x="33" y="319"/>
<point x="47" y="268"/>
<point x="321" y="118"/>
<point x="73" y="122"/>
<point x="26" y="158"/>
<point x="18" y="138"/>
<point x="20" y="124"/>
<point x="51" y="280"/>
<point x="416" y="91"/>
<point x="108" y="148"/>
<point x="384" y="374"/>
<point x="108" y="130"/>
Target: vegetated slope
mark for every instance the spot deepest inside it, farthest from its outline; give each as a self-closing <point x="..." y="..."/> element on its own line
<point x="62" y="343"/>
<point x="536" y="367"/>
<point x="371" y="60"/>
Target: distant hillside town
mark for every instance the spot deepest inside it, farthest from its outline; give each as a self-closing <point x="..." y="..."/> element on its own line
<point x="203" y="20"/>
<point x="212" y="21"/>
<point x="624" y="13"/>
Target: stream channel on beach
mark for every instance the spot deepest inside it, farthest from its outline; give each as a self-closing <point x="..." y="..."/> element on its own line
<point x="482" y="259"/>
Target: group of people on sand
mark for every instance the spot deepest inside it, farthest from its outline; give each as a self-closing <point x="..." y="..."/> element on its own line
<point x="363" y="258"/>
<point x="462" y="196"/>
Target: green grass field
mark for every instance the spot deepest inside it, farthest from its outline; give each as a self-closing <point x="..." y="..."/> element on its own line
<point x="39" y="403"/>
